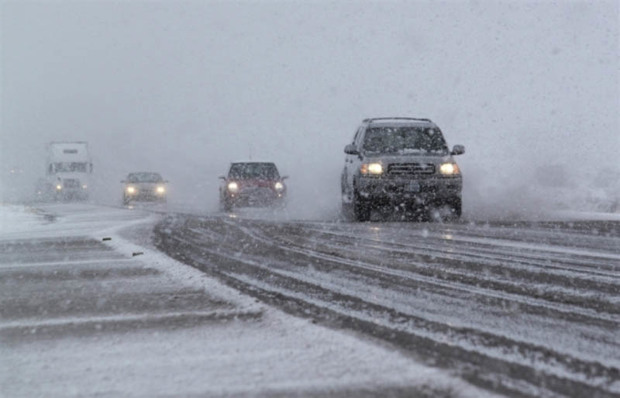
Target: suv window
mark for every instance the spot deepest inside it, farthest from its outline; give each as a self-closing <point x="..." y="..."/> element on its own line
<point x="144" y="177"/>
<point x="404" y="140"/>
<point x="357" y="135"/>
<point x="245" y="171"/>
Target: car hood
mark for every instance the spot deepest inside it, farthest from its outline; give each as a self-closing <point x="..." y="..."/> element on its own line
<point x="256" y="183"/>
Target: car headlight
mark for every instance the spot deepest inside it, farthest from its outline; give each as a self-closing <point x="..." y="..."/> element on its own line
<point x="161" y="189"/>
<point x="131" y="190"/>
<point x="233" y="187"/>
<point x="279" y="186"/>
<point x="372" y="169"/>
<point x="449" y="169"/>
<point x="59" y="187"/>
<point x="84" y="186"/>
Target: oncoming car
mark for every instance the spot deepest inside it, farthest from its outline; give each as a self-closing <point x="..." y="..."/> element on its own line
<point x="144" y="186"/>
<point x="252" y="184"/>
<point x="401" y="163"/>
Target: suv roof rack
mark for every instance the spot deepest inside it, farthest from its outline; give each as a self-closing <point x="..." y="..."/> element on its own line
<point x="370" y="120"/>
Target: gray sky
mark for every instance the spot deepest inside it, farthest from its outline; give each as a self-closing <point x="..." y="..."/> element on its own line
<point x="185" y="87"/>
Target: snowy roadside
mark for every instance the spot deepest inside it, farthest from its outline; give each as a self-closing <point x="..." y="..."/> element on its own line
<point x="89" y="354"/>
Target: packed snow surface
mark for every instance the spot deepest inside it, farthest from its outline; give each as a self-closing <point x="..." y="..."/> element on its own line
<point x="240" y="348"/>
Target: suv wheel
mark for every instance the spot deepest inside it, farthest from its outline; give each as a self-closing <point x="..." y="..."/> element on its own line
<point x="457" y="206"/>
<point x="361" y="208"/>
<point x="450" y="210"/>
<point x="226" y="206"/>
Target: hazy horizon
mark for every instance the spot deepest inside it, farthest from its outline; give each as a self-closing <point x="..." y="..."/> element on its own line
<point x="184" y="88"/>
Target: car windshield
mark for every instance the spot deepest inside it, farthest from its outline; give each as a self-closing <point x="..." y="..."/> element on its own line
<point x="404" y="140"/>
<point x="144" y="177"/>
<point x="246" y="171"/>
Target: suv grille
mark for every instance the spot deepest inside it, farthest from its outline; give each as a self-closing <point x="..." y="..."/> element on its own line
<point x="71" y="183"/>
<point x="411" y="168"/>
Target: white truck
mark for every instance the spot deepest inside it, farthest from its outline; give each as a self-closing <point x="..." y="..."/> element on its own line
<point x="68" y="170"/>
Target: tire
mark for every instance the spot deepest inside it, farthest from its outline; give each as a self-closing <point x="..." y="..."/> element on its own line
<point x="361" y="208"/>
<point x="454" y="206"/>
<point x="280" y="204"/>
<point x="226" y="206"/>
<point x="346" y="211"/>
<point x="457" y="207"/>
<point x="346" y="208"/>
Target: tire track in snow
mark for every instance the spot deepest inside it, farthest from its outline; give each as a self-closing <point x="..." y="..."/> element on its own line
<point x="257" y="262"/>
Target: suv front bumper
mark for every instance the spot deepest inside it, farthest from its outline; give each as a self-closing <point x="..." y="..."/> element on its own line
<point x="384" y="190"/>
<point x="255" y="197"/>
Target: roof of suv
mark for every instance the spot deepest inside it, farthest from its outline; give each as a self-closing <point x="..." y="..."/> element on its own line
<point x="397" y="120"/>
<point x="252" y="161"/>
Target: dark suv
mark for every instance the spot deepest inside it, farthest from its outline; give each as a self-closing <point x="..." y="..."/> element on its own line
<point x="400" y="163"/>
<point x="255" y="184"/>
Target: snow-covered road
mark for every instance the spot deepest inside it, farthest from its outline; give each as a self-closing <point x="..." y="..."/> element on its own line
<point x="88" y="307"/>
<point x="516" y="307"/>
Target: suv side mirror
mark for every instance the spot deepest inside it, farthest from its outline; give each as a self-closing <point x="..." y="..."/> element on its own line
<point x="458" y="150"/>
<point x="351" y="150"/>
<point x="222" y="178"/>
<point x="283" y="177"/>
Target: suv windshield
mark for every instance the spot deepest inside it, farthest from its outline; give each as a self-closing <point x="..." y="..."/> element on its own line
<point x="246" y="171"/>
<point x="144" y="177"/>
<point x="404" y="140"/>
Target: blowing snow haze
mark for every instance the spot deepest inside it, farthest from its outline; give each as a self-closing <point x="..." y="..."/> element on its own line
<point x="531" y="89"/>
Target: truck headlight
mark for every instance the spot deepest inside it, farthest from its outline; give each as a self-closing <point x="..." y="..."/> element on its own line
<point x="372" y="169"/>
<point x="233" y="187"/>
<point x="131" y="190"/>
<point x="449" y="169"/>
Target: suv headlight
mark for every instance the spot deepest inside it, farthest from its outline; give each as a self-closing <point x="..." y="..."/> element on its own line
<point x="449" y="169"/>
<point x="372" y="169"/>
<point x="161" y="189"/>
<point x="279" y="186"/>
<point x="233" y="187"/>
<point x="131" y="190"/>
